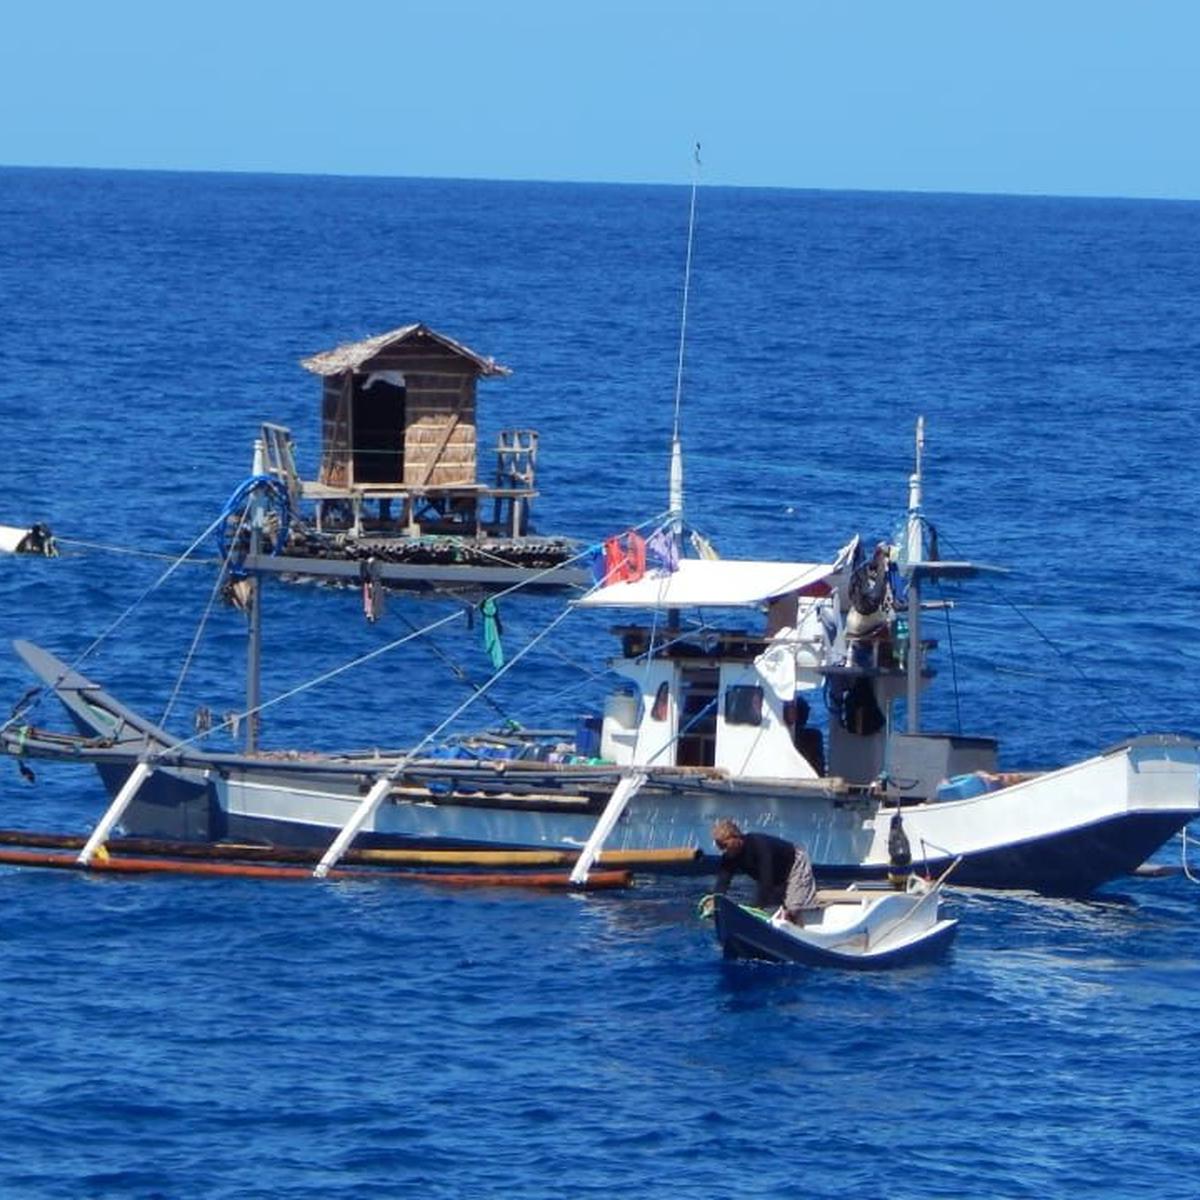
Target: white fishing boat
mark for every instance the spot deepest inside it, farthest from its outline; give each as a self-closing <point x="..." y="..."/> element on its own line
<point x="859" y="928"/>
<point x="707" y="720"/>
<point x="717" y="672"/>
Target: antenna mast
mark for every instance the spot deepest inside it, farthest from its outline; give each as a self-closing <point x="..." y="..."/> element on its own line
<point x="675" y="489"/>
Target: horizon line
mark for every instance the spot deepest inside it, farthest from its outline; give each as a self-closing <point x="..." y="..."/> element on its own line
<point x="566" y="181"/>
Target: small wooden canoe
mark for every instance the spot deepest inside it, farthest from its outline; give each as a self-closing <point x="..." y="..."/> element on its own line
<point x="859" y="930"/>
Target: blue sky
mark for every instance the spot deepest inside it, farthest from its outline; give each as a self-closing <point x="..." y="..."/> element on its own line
<point x="1054" y="97"/>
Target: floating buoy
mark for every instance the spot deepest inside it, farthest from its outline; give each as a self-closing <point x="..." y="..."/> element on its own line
<point x="34" y="539"/>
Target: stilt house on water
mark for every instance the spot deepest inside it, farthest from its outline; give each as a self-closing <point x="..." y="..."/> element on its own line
<point x="398" y="484"/>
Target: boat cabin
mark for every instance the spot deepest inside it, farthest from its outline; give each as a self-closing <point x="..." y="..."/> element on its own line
<point x="750" y="703"/>
<point x="724" y="698"/>
<point x="724" y="701"/>
<point x="399" y="441"/>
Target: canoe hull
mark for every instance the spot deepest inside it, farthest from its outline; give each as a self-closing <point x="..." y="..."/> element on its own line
<point x="747" y="934"/>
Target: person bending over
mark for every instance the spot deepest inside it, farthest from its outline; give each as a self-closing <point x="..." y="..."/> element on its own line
<point x="781" y="870"/>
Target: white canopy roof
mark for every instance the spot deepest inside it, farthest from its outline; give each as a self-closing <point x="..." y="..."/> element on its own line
<point x="711" y="583"/>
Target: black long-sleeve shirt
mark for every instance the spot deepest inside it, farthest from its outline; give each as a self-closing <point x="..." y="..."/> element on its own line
<point x="766" y="859"/>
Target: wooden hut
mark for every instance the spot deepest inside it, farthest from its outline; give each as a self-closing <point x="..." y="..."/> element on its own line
<point x="399" y="442"/>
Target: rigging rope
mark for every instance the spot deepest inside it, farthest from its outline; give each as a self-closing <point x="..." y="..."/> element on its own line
<point x="112" y="628"/>
<point x="1083" y="675"/>
<point x="687" y="280"/>
<point x="276" y="497"/>
<point x="480" y="692"/>
<point x="191" y="654"/>
<point x="231" y="718"/>
<point x="953" y="662"/>
<point x="429" y="737"/>
<point x="459" y="672"/>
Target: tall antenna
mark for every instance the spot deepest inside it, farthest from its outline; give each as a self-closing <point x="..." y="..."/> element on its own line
<point x="675" y="488"/>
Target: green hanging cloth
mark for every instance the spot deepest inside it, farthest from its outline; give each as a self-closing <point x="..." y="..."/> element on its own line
<point x="491" y="633"/>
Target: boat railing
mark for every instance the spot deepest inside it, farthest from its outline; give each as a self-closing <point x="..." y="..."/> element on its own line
<point x="280" y="461"/>
<point x="420" y="507"/>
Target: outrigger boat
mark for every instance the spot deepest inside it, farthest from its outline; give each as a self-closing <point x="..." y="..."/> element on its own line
<point x="857" y="928"/>
<point x="707" y="721"/>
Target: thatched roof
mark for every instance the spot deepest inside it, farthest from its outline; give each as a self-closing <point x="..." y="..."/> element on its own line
<point x="354" y="355"/>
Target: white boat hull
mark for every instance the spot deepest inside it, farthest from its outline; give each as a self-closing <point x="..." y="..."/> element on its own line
<point x="1064" y="831"/>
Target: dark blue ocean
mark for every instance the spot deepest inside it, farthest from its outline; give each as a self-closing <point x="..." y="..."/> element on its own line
<point x="242" y="1039"/>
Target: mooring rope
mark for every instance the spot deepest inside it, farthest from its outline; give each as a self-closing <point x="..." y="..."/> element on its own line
<point x="1183" y="834"/>
<point x="132" y="552"/>
<point x="115" y="625"/>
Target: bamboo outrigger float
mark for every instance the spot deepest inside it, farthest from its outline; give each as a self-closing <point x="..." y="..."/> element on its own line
<point x="512" y="859"/>
<point x="111" y="864"/>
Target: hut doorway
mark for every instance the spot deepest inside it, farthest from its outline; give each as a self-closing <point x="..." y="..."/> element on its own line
<point x="377" y="430"/>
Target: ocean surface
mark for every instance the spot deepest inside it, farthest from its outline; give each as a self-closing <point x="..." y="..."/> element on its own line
<point x="239" y="1039"/>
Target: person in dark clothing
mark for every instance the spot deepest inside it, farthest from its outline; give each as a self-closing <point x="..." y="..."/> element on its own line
<point x="781" y="870"/>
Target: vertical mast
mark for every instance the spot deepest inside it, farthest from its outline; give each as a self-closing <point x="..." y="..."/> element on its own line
<point x="914" y="555"/>
<point x="254" y="641"/>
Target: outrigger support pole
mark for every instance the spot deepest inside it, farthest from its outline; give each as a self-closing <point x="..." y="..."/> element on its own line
<point x="366" y="809"/>
<point x="116" y="810"/>
<point x="627" y="787"/>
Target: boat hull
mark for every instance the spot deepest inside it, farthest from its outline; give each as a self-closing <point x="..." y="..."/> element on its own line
<point x="1060" y="832"/>
<point x="1037" y="836"/>
<point x="746" y="933"/>
<point x="259" y="803"/>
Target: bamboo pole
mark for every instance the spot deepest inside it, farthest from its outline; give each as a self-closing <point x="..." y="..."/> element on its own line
<point x="164" y="866"/>
<point x="649" y="859"/>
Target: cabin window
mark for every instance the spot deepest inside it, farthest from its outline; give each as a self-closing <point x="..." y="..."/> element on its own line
<point x="661" y="699"/>
<point x="743" y="705"/>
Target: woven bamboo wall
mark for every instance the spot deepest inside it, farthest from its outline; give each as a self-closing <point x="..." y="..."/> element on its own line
<point x="439" y="442"/>
<point x="335" y="432"/>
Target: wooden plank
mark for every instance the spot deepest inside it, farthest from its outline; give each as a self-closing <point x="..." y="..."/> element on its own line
<point x="420" y="361"/>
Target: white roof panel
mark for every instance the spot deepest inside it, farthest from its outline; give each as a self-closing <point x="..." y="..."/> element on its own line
<point x="709" y="583"/>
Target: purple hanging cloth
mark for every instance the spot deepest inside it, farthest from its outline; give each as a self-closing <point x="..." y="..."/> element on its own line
<point x="662" y="550"/>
